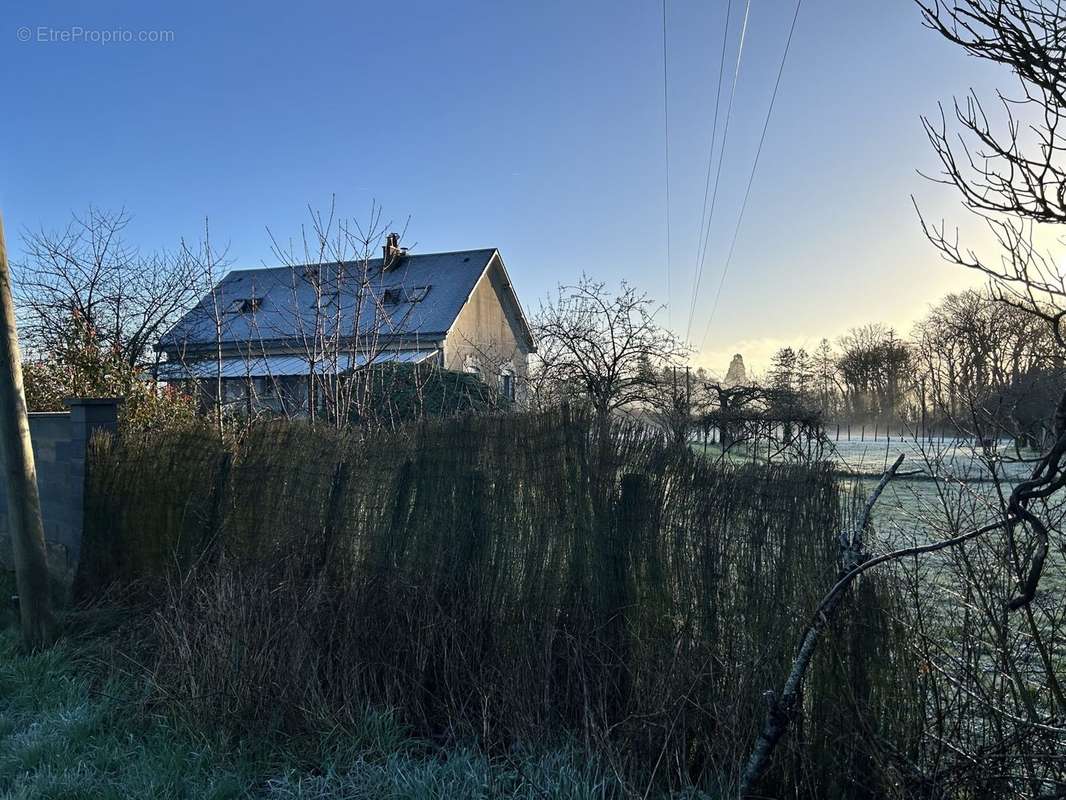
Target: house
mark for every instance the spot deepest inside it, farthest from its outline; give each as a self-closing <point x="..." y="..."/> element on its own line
<point x="279" y="336"/>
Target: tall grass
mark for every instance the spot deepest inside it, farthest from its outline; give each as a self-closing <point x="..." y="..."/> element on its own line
<point x="501" y="581"/>
<point x="74" y="725"/>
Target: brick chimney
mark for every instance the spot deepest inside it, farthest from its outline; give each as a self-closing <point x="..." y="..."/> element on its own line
<point x="392" y="252"/>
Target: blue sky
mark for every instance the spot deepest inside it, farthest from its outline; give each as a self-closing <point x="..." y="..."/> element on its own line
<point x="533" y="127"/>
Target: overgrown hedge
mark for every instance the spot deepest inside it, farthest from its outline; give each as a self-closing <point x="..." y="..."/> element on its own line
<point x="504" y="579"/>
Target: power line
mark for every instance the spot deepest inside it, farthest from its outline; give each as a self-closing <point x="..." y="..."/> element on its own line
<point x="714" y="133"/>
<point x="751" y="177"/>
<point x="666" y="125"/>
<point x="702" y="254"/>
<point x="718" y="173"/>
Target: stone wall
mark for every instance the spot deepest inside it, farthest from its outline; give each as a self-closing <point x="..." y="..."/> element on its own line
<point x="60" y="440"/>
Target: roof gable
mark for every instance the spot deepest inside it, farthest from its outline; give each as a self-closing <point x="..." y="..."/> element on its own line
<point x="505" y="293"/>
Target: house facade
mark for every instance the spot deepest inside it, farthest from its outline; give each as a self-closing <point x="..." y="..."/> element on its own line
<point x="275" y="337"/>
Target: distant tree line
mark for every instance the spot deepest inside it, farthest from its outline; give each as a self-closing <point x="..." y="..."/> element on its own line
<point x="972" y="361"/>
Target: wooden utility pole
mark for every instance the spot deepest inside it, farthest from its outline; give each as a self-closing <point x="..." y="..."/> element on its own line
<point x="23" y="503"/>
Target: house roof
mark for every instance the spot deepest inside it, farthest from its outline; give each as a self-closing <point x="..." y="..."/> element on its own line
<point x="420" y="296"/>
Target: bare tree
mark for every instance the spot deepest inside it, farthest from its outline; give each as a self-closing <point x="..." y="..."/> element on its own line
<point x="746" y="414"/>
<point x="874" y="367"/>
<point x="602" y="348"/>
<point x="972" y="353"/>
<point x="87" y="275"/>
<point x="1007" y="170"/>
<point x="995" y="692"/>
<point x="206" y="264"/>
<point x="344" y="314"/>
<point x="825" y="379"/>
<point x="1015" y="181"/>
<point x="729" y="409"/>
<point x="674" y="401"/>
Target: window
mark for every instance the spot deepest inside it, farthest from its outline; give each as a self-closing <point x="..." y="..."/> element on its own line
<point x="293" y="389"/>
<point x="507" y="385"/>
<point x="472" y="366"/>
<point x="233" y="389"/>
<point x="265" y="386"/>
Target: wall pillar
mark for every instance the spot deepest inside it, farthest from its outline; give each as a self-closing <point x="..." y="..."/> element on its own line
<point x="87" y="415"/>
<point x="60" y="449"/>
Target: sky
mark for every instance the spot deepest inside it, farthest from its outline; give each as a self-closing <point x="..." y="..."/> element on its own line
<point x="538" y="128"/>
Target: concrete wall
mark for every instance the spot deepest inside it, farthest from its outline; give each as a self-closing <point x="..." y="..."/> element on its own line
<point x="60" y="440"/>
<point x="486" y="332"/>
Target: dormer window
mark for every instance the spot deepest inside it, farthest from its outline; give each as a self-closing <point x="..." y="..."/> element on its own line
<point x="247" y="305"/>
<point x="404" y="294"/>
<point x="417" y="294"/>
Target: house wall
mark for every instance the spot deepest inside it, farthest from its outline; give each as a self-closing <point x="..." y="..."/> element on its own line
<point x="60" y="440"/>
<point x="485" y="331"/>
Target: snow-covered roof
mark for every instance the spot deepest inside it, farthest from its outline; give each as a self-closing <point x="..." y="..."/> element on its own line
<point x="418" y="297"/>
